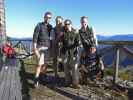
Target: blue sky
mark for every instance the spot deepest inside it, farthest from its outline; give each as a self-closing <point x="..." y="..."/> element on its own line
<point x="108" y="17"/>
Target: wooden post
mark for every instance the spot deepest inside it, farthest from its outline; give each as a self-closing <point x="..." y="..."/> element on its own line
<point x="30" y="47"/>
<point x="20" y="47"/>
<point x="116" y="70"/>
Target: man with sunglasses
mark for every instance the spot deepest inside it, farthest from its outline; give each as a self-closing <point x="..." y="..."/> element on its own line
<point x="70" y="42"/>
<point x="41" y="44"/>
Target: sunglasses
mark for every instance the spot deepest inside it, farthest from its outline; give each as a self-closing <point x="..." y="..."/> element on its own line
<point x="67" y="24"/>
<point x="47" y="17"/>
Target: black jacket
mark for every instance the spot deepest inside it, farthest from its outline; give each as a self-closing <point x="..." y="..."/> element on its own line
<point x="42" y="33"/>
<point x="70" y="42"/>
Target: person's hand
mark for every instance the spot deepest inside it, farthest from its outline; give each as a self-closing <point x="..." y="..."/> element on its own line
<point x="36" y="52"/>
<point x="33" y="50"/>
<point x="92" y="49"/>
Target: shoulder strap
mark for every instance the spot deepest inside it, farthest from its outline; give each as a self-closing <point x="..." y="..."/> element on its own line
<point x="49" y="29"/>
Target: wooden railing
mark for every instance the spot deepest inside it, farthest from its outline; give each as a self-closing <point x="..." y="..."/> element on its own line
<point x="26" y="45"/>
<point x="117" y="46"/>
<point x="116" y="43"/>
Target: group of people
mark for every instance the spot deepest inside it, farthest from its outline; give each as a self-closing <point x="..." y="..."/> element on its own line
<point x="76" y="48"/>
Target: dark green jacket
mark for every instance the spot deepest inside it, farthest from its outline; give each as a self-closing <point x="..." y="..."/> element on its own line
<point x="70" y="42"/>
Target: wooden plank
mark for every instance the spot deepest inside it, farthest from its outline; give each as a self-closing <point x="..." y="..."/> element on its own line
<point x="12" y="93"/>
<point x="18" y="94"/>
<point x="2" y="74"/>
<point x="7" y="85"/>
<point x="19" y="88"/>
<point x="2" y="86"/>
<point x="2" y="82"/>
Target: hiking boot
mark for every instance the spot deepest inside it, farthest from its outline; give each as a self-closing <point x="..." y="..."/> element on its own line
<point x="36" y="82"/>
<point x="67" y="84"/>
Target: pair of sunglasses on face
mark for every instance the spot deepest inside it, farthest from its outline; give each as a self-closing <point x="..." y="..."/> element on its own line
<point x="48" y="16"/>
<point x="67" y="24"/>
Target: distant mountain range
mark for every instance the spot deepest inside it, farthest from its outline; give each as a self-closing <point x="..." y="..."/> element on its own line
<point x="14" y="38"/>
<point x="126" y="37"/>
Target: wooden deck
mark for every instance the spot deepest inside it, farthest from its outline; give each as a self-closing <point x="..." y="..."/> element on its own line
<point x="10" y="85"/>
<point x="11" y="88"/>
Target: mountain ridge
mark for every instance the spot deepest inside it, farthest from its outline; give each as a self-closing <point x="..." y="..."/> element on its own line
<point x="125" y="37"/>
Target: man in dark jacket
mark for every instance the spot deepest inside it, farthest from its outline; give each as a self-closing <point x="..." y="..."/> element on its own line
<point x="41" y="43"/>
<point x="70" y="43"/>
<point x="57" y="34"/>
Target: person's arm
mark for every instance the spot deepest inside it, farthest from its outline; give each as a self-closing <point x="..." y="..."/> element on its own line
<point x="95" y="43"/>
<point x="94" y="34"/>
<point x="35" y="38"/>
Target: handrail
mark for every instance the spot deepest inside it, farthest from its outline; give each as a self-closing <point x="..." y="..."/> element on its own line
<point x="116" y="46"/>
<point x="100" y="42"/>
<point x="115" y="43"/>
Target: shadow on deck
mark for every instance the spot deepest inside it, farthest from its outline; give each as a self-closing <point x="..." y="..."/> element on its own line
<point x="52" y="88"/>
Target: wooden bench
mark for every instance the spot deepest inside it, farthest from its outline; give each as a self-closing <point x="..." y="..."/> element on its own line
<point x="10" y="85"/>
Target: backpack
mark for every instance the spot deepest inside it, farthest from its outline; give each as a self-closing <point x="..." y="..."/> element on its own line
<point x="8" y="50"/>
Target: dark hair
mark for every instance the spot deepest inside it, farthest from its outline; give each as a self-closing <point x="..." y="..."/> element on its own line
<point x="83" y="17"/>
<point x="67" y="20"/>
<point x="47" y="13"/>
<point x="59" y="17"/>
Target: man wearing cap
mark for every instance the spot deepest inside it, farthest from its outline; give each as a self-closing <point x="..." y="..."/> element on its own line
<point x="41" y="43"/>
<point x="70" y="43"/>
<point x="58" y="33"/>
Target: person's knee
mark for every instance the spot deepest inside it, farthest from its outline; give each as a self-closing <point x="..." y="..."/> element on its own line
<point x="39" y="66"/>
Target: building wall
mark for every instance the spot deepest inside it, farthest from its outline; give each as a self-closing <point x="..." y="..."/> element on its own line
<point x="2" y="22"/>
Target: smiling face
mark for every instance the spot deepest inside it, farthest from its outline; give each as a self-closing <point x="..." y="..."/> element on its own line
<point x="59" y="21"/>
<point x="47" y="18"/>
<point x="68" y="25"/>
<point x="84" y="22"/>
